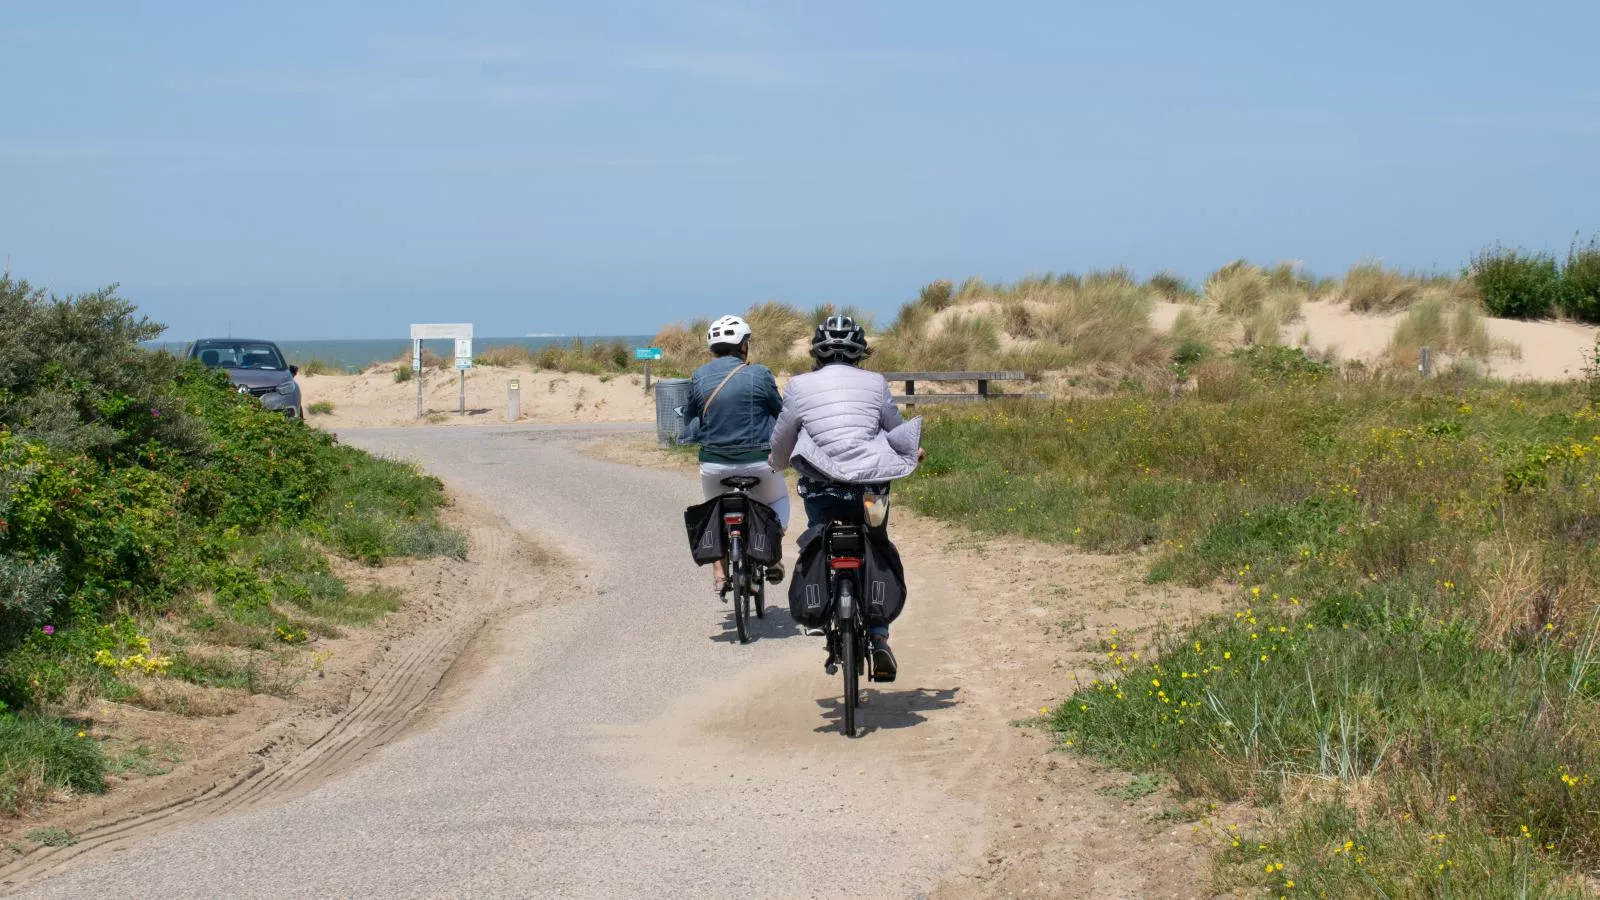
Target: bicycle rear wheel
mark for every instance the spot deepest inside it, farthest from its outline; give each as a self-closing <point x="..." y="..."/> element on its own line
<point x="738" y="575"/>
<point x="759" y="597"/>
<point x="849" y="657"/>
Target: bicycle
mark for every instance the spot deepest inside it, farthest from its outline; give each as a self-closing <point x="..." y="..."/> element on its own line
<point x="745" y="580"/>
<point x="846" y="629"/>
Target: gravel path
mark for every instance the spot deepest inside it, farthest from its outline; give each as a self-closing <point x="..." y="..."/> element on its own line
<point x="616" y="745"/>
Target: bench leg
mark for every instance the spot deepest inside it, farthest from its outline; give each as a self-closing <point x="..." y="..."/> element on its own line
<point x="983" y="387"/>
<point x="911" y="391"/>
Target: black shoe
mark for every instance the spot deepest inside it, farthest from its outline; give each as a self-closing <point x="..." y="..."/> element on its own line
<point x="883" y="664"/>
<point x="775" y="573"/>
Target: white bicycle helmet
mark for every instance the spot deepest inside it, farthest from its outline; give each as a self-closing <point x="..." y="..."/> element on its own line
<point x="729" y="330"/>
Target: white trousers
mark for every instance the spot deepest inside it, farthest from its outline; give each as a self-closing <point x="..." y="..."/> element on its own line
<point x="773" y="490"/>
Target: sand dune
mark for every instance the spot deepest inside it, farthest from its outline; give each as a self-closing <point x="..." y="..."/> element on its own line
<point x="1526" y="351"/>
<point x="1530" y="351"/>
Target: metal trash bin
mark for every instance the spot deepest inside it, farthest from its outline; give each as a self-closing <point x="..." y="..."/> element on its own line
<point x="672" y="396"/>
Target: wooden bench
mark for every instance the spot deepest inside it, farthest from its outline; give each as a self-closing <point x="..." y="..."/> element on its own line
<point x="912" y="398"/>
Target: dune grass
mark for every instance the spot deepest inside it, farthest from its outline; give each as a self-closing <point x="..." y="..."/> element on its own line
<point x="1099" y="322"/>
<point x="1457" y="330"/>
<point x="1410" y="676"/>
<point x="315" y="366"/>
<point x="578" y="355"/>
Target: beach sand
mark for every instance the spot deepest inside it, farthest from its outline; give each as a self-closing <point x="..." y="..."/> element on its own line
<point x="373" y="399"/>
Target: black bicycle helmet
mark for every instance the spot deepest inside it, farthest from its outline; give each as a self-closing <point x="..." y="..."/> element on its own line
<point x="839" y="339"/>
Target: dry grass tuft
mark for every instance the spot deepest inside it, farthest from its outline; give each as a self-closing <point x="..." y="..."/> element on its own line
<point x="1458" y="330"/>
<point x="1369" y="287"/>
<point x="1238" y="289"/>
<point x="1171" y="288"/>
<point x="1262" y="301"/>
<point x="777" y="326"/>
<point x="1512" y="588"/>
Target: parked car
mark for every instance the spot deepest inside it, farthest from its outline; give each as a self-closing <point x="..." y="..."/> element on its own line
<point x="255" y="367"/>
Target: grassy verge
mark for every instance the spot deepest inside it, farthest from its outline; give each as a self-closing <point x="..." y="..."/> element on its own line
<point x="1408" y="685"/>
<point x="156" y="527"/>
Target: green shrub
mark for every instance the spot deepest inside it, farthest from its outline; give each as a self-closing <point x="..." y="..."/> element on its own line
<point x="1281" y="363"/>
<point x="29" y="590"/>
<point x="404" y="373"/>
<point x="72" y="376"/>
<point x="110" y="529"/>
<point x="1517" y="285"/>
<point x="260" y="468"/>
<point x="381" y="508"/>
<point x="1581" y="275"/>
<point x="320" y="408"/>
<point x="130" y="482"/>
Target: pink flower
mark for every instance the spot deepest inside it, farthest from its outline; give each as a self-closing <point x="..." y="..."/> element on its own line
<point x="49" y="629"/>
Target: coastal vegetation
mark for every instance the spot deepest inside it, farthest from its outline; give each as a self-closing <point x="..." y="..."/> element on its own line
<point x="156" y="527"/>
<point x="1402" y="698"/>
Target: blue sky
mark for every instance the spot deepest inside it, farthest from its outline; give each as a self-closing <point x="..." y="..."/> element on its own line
<point x="343" y="169"/>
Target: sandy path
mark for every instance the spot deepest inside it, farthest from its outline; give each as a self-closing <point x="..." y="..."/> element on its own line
<point x="618" y="744"/>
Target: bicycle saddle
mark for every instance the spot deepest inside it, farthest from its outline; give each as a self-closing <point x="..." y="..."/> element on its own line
<point x="741" y="482"/>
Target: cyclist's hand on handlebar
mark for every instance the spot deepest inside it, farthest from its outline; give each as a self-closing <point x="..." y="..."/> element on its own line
<point x="921" y="454"/>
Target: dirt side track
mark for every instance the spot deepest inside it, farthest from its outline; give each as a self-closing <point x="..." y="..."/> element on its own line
<point x="294" y="755"/>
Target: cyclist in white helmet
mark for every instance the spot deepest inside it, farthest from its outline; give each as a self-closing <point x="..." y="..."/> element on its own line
<point x="737" y="403"/>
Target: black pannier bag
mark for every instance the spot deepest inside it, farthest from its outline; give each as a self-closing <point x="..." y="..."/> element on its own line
<point x="763" y="535"/>
<point x="881" y="576"/>
<point x="810" y="603"/>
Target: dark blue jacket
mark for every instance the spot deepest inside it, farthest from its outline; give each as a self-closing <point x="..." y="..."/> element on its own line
<point x="740" y="422"/>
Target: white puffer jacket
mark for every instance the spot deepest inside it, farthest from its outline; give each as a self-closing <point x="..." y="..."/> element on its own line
<point x="839" y="422"/>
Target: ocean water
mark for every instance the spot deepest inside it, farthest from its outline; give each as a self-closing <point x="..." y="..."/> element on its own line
<point x="356" y="355"/>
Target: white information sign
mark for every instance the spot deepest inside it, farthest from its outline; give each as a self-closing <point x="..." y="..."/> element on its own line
<point x="441" y="332"/>
<point x="461" y="333"/>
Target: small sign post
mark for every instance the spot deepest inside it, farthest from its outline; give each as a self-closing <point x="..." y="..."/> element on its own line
<point x="416" y="370"/>
<point x="420" y="333"/>
<point x="647" y="355"/>
<point x="463" y="363"/>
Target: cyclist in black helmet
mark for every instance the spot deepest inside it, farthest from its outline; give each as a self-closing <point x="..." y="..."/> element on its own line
<point x="844" y="437"/>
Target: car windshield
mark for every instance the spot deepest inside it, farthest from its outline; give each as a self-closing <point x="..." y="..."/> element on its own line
<point x="240" y="355"/>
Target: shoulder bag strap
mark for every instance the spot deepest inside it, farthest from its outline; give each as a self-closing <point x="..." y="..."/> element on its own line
<point x="713" y="398"/>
